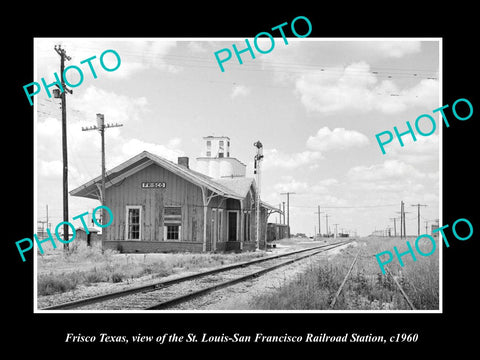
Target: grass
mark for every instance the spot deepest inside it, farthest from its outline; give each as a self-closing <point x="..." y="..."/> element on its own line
<point x="60" y="272"/>
<point x="366" y="288"/>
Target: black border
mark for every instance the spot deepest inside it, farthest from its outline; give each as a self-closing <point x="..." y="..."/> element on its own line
<point x="456" y="25"/>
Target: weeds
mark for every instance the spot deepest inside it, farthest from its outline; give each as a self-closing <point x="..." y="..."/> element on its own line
<point x="366" y="288"/>
<point x="89" y="265"/>
<point x="49" y="284"/>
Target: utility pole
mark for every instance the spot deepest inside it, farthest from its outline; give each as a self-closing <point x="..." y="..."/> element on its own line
<point x="257" y="159"/>
<point x="101" y="126"/>
<point x="402" y="220"/>
<point x="326" y="220"/>
<point x="283" y="203"/>
<point x="61" y="94"/>
<point x="288" y="209"/>
<point x="394" y="226"/>
<point x="418" y="206"/>
<point x="319" y="226"/>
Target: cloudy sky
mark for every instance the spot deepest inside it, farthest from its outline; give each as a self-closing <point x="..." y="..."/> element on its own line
<point x="315" y="104"/>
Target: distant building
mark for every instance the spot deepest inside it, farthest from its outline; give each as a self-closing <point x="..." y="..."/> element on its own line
<point x="301" y="235"/>
<point x="162" y="206"/>
<point x="82" y="239"/>
<point x="276" y="231"/>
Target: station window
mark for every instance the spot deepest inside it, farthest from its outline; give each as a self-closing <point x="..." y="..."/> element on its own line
<point x="133" y="217"/>
<point x="173" y="232"/>
<point x="172" y="223"/>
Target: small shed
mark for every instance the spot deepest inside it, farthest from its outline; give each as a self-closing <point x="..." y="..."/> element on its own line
<point x="82" y="239"/>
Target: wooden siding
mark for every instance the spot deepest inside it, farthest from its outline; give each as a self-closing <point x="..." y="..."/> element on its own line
<point x="178" y="192"/>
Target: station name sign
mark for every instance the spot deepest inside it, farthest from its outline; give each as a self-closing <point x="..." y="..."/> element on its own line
<point x="154" y="185"/>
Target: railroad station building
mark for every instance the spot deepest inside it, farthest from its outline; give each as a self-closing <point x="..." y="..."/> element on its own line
<point x="164" y="206"/>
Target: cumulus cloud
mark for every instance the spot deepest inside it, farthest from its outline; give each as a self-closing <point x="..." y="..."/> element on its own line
<point x="135" y="54"/>
<point x="174" y="142"/>
<point x="133" y="147"/>
<point x="336" y="139"/>
<point x="356" y="87"/>
<point x="425" y="149"/>
<point x="115" y="107"/>
<point x="278" y="159"/>
<point x="49" y="169"/>
<point x="290" y="184"/>
<point x="239" y="90"/>
<point x="393" y="177"/>
<point x="388" y="170"/>
<point x="323" y="186"/>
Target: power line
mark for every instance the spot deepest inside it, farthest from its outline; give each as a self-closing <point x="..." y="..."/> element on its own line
<point x="345" y="207"/>
<point x="192" y="61"/>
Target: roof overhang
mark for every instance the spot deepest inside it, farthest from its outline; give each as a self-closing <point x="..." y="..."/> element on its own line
<point x="271" y="208"/>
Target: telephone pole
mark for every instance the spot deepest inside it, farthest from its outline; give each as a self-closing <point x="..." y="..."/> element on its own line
<point x="418" y="206"/>
<point x="403" y="227"/>
<point x="402" y="219"/>
<point x="319" y="226"/>
<point x="101" y="126"/>
<point x="61" y="94"/>
<point x="394" y="226"/>
<point x="326" y="220"/>
<point x="288" y="209"/>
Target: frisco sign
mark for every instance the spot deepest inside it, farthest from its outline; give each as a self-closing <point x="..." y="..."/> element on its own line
<point x="154" y="185"/>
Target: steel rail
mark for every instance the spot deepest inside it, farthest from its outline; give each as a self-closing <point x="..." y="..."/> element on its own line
<point x="400" y="288"/>
<point x="165" y="283"/>
<point x="192" y="295"/>
<point x="344" y="280"/>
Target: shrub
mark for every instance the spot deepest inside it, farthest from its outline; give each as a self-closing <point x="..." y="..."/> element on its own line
<point x="116" y="277"/>
<point x="50" y="284"/>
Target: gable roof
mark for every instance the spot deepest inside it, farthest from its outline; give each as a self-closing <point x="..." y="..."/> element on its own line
<point x="144" y="159"/>
<point x="235" y="187"/>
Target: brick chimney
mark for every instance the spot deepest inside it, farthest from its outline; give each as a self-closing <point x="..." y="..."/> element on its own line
<point x="183" y="160"/>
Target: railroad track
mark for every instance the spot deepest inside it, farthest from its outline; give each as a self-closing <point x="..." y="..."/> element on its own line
<point x="167" y="293"/>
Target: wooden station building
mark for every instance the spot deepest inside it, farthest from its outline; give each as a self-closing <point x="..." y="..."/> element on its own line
<point x="162" y="206"/>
